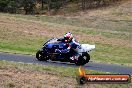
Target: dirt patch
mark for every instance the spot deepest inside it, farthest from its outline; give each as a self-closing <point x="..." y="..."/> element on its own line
<point x="124" y="7"/>
<point x="46" y="29"/>
<point x="23" y="78"/>
<point x="116" y="18"/>
<point x="103" y="40"/>
<point x="13" y="77"/>
<point x="33" y="27"/>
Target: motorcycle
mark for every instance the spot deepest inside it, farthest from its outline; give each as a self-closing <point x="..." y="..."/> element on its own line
<point x="48" y="52"/>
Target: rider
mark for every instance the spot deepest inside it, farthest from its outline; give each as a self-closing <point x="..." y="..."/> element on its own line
<point x="71" y="43"/>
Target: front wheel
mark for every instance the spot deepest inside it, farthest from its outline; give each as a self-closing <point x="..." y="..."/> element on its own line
<point x="82" y="60"/>
<point x="86" y="57"/>
<point x="41" y="56"/>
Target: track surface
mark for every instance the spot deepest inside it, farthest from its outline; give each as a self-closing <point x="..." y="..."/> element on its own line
<point x="91" y="65"/>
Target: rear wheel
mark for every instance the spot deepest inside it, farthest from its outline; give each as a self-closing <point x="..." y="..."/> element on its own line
<point x="41" y="56"/>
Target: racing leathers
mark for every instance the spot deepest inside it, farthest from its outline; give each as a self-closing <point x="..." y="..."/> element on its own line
<point x="71" y="47"/>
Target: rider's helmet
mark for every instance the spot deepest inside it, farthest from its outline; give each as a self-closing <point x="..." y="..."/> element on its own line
<point x="68" y="37"/>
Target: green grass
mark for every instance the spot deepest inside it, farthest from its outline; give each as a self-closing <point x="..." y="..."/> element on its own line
<point x="112" y="54"/>
<point x="126" y="30"/>
<point x="117" y="35"/>
<point x="18" y="41"/>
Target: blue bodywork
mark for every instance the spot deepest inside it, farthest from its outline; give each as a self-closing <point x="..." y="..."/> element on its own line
<point x="52" y="45"/>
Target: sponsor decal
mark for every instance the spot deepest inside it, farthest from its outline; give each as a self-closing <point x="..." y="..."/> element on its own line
<point x="83" y="78"/>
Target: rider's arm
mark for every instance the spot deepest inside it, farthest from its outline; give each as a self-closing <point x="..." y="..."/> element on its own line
<point x="61" y="39"/>
<point x="75" y="43"/>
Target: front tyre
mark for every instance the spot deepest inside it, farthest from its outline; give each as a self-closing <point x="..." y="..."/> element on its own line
<point x="86" y="57"/>
<point x="41" y="56"/>
<point x="82" y="60"/>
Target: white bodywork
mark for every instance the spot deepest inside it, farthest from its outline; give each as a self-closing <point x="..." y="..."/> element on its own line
<point x="85" y="48"/>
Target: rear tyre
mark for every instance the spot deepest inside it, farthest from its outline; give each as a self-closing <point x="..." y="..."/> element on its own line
<point x="41" y="56"/>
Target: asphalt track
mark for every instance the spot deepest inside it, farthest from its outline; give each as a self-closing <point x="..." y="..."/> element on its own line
<point x="91" y="65"/>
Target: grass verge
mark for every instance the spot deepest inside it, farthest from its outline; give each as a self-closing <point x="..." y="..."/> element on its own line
<point x="35" y="75"/>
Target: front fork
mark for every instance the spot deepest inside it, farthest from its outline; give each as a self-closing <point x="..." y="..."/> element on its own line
<point x="75" y="57"/>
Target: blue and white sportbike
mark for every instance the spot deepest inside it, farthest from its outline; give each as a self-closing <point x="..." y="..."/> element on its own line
<point x="55" y="49"/>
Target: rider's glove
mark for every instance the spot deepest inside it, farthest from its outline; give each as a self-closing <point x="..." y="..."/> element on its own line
<point x="58" y="51"/>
